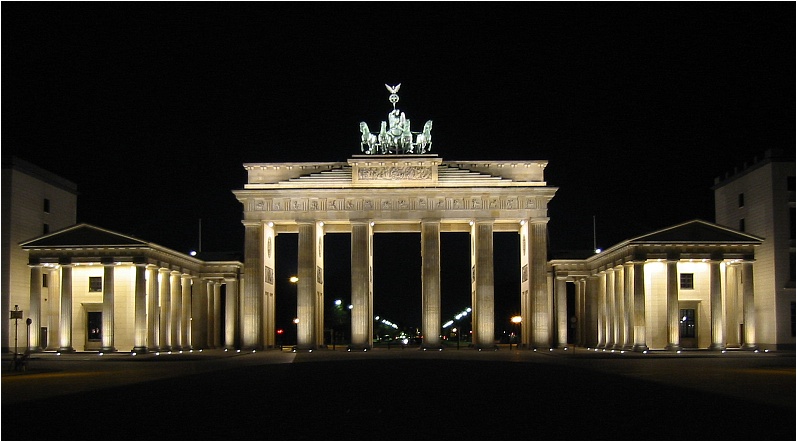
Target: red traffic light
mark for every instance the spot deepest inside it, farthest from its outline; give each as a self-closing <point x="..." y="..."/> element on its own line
<point x="280" y="331"/>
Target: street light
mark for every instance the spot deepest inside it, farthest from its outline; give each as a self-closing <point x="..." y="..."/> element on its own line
<point x="515" y="320"/>
<point x="294" y="279"/>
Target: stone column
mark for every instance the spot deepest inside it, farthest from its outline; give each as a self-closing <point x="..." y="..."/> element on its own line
<point x="715" y="290"/>
<point x="541" y="321"/>
<point x="305" y="288"/>
<point x="269" y="264"/>
<point x="673" y="312"/>
<point x="619" y="309"/>
<point x="732" y="306"/>
<point x="108" y="305"/>
<point x="318" y="277"/>
<point x="65" y="326"/>
<point x="611" y="313"/>
<point x="216" y="315"/>
<point x="640" y="329"/>
<point x="199" y="314"/>
<point x="230" y="312"/>
<point x="561" y="311"/>
<point x="140" y="306"/>
<point x="54" y="311"/>
<point x="165" y="343"/>
<point x="177" y="311"/>
<point x="579" y="313"/>
<point x="526" y="303"/>
<point x="35" y="307"/>
<point x="591" y="309"/>
<point x="601" y="296"/>
<point x="153" y="309"/>
<point x="210" y="308"/>
<point x="185" y="312"/>
<point x="430" y="281"/>
<point x="361" y="284"/>
<point x="253" y="286"/>
<point x="628" y="295"/>
<point x="748" y="307"/>
<point x="484" y="285"/>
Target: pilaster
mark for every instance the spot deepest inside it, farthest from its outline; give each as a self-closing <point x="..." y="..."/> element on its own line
<point x="253" y="286"/>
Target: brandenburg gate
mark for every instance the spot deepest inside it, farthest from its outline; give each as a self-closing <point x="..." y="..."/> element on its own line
<point x="394" y="185"/>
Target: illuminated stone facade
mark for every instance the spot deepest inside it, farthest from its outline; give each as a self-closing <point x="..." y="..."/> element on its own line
<point x="686" y="286"/>
<point x="97" y="290"/>
<point x="371" y="194"/>
<point x="760" y="199"/>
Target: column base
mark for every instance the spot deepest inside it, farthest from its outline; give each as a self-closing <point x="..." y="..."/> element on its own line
<point x="673" y="347"/>
<point x="716" y="347"/>
<point x="640" y="347"/>
<point x="165" y="349"/>
<point x="142" y="349"/>
<point x="107" y="349"/>
<point x="749" y="347"/>
<point x="66" y="350"/>
<point x="36" y="349"/>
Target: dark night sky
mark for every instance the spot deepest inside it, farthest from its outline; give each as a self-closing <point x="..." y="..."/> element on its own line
<point x="153" y="108"/>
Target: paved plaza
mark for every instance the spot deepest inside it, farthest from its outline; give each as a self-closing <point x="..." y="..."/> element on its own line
<point x="402" y="394"/>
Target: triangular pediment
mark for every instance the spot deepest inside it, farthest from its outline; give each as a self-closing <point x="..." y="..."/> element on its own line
<point x="697" y="231"/>
<point x="83" y="235"/>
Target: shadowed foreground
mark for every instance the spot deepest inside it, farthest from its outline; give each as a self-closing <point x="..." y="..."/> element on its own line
<point x="397" y="399"/>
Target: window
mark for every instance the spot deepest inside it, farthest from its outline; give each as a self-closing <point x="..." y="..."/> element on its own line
<point x="46" y="205"/>
<point x="741" y="225"/>
<point x="95" y="283"/>
<point x="792" y="270"/>
<point x="790" y="184"/>
<point x="687" y="281"/>
<point x="46" y="228"/>
<point x="741" y="200"/>
<point x="44" y="280"/>
<point x="792" y="219"/>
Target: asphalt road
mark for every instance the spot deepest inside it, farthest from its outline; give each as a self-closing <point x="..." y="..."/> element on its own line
<point x="402" y="395"/>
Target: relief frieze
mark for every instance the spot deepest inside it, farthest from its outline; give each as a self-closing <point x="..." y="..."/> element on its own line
<point x="395" y="173"/>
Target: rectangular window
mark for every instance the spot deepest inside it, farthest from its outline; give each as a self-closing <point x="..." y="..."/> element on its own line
<point x="46" y="228"/>
<point x="687" y="281"/>
<point x="95" y="283"/>
<point x="792" y="219"/>
<point x="792" y="270"/>
<point x="44" y="280"/>
<point x="46" y="205"/>
<point x="741" y="225"/>
<point x="741" y="200"/>
<point x="790" y="184"/>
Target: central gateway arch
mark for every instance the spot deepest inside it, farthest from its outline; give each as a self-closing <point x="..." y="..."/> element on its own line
<point x="371" y="194"/>
<point x="396" y="187"/>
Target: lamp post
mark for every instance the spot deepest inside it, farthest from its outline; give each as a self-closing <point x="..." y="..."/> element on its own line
<point x="294" y="280"/>
<point x="515" y="321"/>
<point x="459" y="335"/>
<point x="16" y="315"/>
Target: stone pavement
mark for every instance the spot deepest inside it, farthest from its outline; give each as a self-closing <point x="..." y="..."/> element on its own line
<point x="402" y="395"/>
